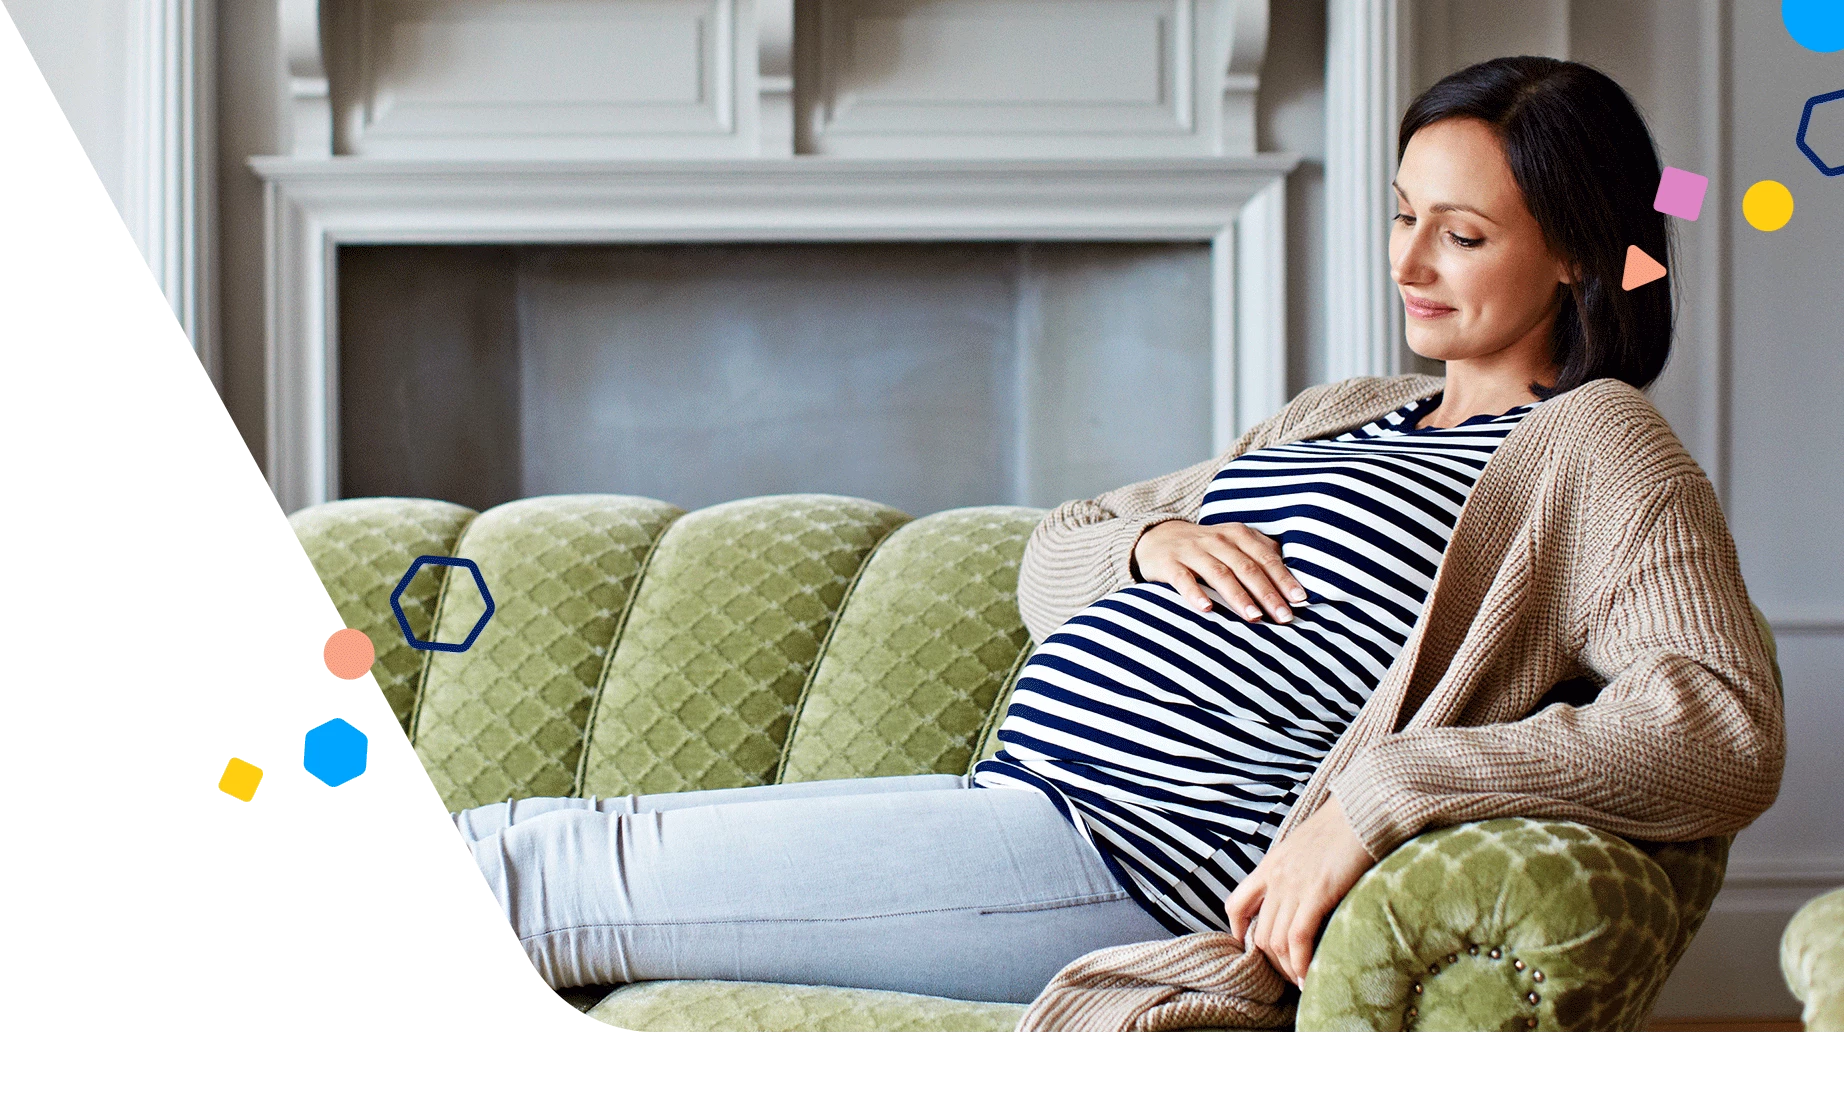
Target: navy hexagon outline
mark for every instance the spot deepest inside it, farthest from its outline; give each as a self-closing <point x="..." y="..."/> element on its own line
<point x="403" y="584"/>
<point x="1805" y="119"/>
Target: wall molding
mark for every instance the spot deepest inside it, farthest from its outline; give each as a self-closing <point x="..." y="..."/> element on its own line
<point x="1365" y="80"/>
<point x="1812" y="872"/>
<point x="169" y="198"/>
<point x="314" y="206"/>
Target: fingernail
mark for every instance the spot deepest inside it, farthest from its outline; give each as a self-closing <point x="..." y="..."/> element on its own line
<point x="1202" y="604"/>
<point x="1284" y="614"/>
<point x="1253" y="613"/>
<point x="1298" y="594"/>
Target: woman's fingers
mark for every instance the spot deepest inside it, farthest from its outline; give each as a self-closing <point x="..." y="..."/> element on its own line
<point x="1276" y="917"/>
<point x="1185" y="583"/>
<point x="1267" y="553"/>
<point x="1300" y="934"/>
<point x="1223" y="579"/>
<point x="1243" y="905"/>
<point x="1257" y="580"/>
<point x="1242" y="566"/>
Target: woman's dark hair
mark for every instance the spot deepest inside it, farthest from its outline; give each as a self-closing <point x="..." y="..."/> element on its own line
<point x="1584" y="160"/>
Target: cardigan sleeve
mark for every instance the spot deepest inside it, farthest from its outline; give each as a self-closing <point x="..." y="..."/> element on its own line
<point x="1083" y="549"/>
<point x="1686" y="740"/>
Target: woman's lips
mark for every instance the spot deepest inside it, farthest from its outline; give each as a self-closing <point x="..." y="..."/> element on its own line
<point x="1423" y="309"/>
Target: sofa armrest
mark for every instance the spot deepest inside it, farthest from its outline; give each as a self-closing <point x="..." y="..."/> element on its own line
<point x="1512" y="924"/>
<point x="1812" y="959"/>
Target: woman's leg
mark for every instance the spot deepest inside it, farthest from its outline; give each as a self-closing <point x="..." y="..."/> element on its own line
<point x="980" y="894"/>
<point x="478" y="822"/>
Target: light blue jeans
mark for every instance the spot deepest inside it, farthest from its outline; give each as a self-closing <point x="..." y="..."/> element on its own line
<point x="913" y="883"/>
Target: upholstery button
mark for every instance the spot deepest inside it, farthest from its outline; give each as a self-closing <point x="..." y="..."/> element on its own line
<point x="1413" y="1013"/>
<point x="1518" y="965"/>
<point x="1531" y="1022"/>
<point x="1494" y="954"/>
<point x="1433" y="969"/>
<point x="1532" y="998"/>
<point x="1451" y="958"/>
<point x="1473" y="950"/>
<point x="1537" y="975"/>
<point x="1418" y="988"/>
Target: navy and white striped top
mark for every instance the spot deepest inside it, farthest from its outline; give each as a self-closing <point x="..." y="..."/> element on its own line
<point x="1176" y="740"/>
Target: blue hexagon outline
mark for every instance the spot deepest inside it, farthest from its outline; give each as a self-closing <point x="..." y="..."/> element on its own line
<point x="1805" y="119"/>
<point x="403" y="585"/>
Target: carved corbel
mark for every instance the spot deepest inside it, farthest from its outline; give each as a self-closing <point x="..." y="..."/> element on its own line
<point x="1242" y="30"/>
<point x="775" y="77"/>
<point x="309" y="112"/>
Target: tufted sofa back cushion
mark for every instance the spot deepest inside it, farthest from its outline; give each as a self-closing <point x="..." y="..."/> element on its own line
<point x="507" y="717"/>
<point x="635" y="648"/>
<point x="726" y="625"/>
<point x="918" y="659"/>
<point x="360" y="548"/>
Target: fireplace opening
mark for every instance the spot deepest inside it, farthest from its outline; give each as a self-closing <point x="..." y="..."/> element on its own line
<point x="921" y="375"/>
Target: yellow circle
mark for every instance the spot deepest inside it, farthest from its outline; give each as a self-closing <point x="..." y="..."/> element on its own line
<point x="1767" y="205"/>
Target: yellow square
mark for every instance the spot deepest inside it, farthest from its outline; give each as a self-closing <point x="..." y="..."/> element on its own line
<point x="240" y="779"/>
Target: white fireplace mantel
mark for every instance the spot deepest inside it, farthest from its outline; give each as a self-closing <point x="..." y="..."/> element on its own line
<point x="314" y="206"/>
<point x="763" y="121"/>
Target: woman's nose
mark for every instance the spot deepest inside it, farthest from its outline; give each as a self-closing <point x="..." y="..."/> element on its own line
<point x="1409" y="258"/>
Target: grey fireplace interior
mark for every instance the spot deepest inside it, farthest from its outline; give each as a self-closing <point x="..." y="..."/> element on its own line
<point x="921" y="375"/>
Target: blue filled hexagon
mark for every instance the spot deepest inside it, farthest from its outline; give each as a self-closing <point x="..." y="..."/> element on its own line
<point x="1826" y="129"/>
<point x="335" y="752"/>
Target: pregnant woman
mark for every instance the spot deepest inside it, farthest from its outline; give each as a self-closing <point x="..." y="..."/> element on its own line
<point x="1259" y="675"/>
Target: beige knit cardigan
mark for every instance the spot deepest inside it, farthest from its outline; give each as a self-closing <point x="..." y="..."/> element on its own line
<point x="1591" y="546"/>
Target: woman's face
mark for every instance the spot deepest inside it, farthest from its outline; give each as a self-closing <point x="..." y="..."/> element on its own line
<point x="1476" y="276"/>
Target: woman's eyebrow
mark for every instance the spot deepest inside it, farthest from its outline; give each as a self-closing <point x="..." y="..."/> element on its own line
<point x="1446" y="206"/>
<point x="1449" y="206"/>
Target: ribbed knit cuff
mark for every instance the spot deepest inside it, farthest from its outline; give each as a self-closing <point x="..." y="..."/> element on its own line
<point x="1372" y="805"/>
<point x="1127" y="533"/>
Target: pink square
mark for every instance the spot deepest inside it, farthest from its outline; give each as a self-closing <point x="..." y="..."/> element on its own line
<point x="1680" y="193"/>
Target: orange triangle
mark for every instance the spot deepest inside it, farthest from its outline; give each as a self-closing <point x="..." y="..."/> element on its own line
<point x="1640" y="269"/>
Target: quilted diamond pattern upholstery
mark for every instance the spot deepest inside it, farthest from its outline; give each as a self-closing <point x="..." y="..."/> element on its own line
<point x="1696" y="870"/>
<point x="507" y="717"/>
<point x="1513" y="924"/>
<point x="916" y="659"/>
<point x="361" y="547"/>
<point x="726" y="625"/>
<point x="752" y="1006"/>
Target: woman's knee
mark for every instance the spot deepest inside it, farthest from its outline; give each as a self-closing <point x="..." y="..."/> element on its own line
<point x="476" y="823"/>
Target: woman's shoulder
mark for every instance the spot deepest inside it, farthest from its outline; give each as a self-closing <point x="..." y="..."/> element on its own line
<point x="1612" y="429"/>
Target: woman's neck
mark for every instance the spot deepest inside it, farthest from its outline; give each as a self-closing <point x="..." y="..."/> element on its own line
<point x="1495" y="383"/>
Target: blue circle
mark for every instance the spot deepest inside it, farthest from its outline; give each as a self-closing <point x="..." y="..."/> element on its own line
<point x="1817" y="25"/>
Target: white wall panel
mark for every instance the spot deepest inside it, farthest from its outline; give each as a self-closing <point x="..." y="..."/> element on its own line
<point x="1025" y="77"/>
<point x="544" y="78"/>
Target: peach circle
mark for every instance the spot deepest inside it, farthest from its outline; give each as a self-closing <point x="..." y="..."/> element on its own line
<point x="349" y="654"/>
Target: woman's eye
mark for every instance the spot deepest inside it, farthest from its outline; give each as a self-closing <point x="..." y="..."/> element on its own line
<point x="1462" y="241"/>
<point x="1406" y="219"/>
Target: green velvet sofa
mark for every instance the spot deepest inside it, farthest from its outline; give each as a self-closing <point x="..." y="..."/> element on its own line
<point x="1812" y="960"/>
<point x="638" y="648"/>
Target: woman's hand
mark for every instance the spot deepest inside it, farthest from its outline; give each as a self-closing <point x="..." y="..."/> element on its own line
<point x="1240" y="564"/>
<point x="1295" y="887"/>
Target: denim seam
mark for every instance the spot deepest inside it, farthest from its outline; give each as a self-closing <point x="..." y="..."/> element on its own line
<point x="1042" y="905"/>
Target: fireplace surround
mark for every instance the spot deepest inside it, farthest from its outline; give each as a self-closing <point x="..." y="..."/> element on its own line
<point x="485" y="122"/>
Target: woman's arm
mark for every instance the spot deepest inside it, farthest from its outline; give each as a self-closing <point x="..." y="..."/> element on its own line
<point x="1686" y="740"/>
<point x="1083" y="549"/>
